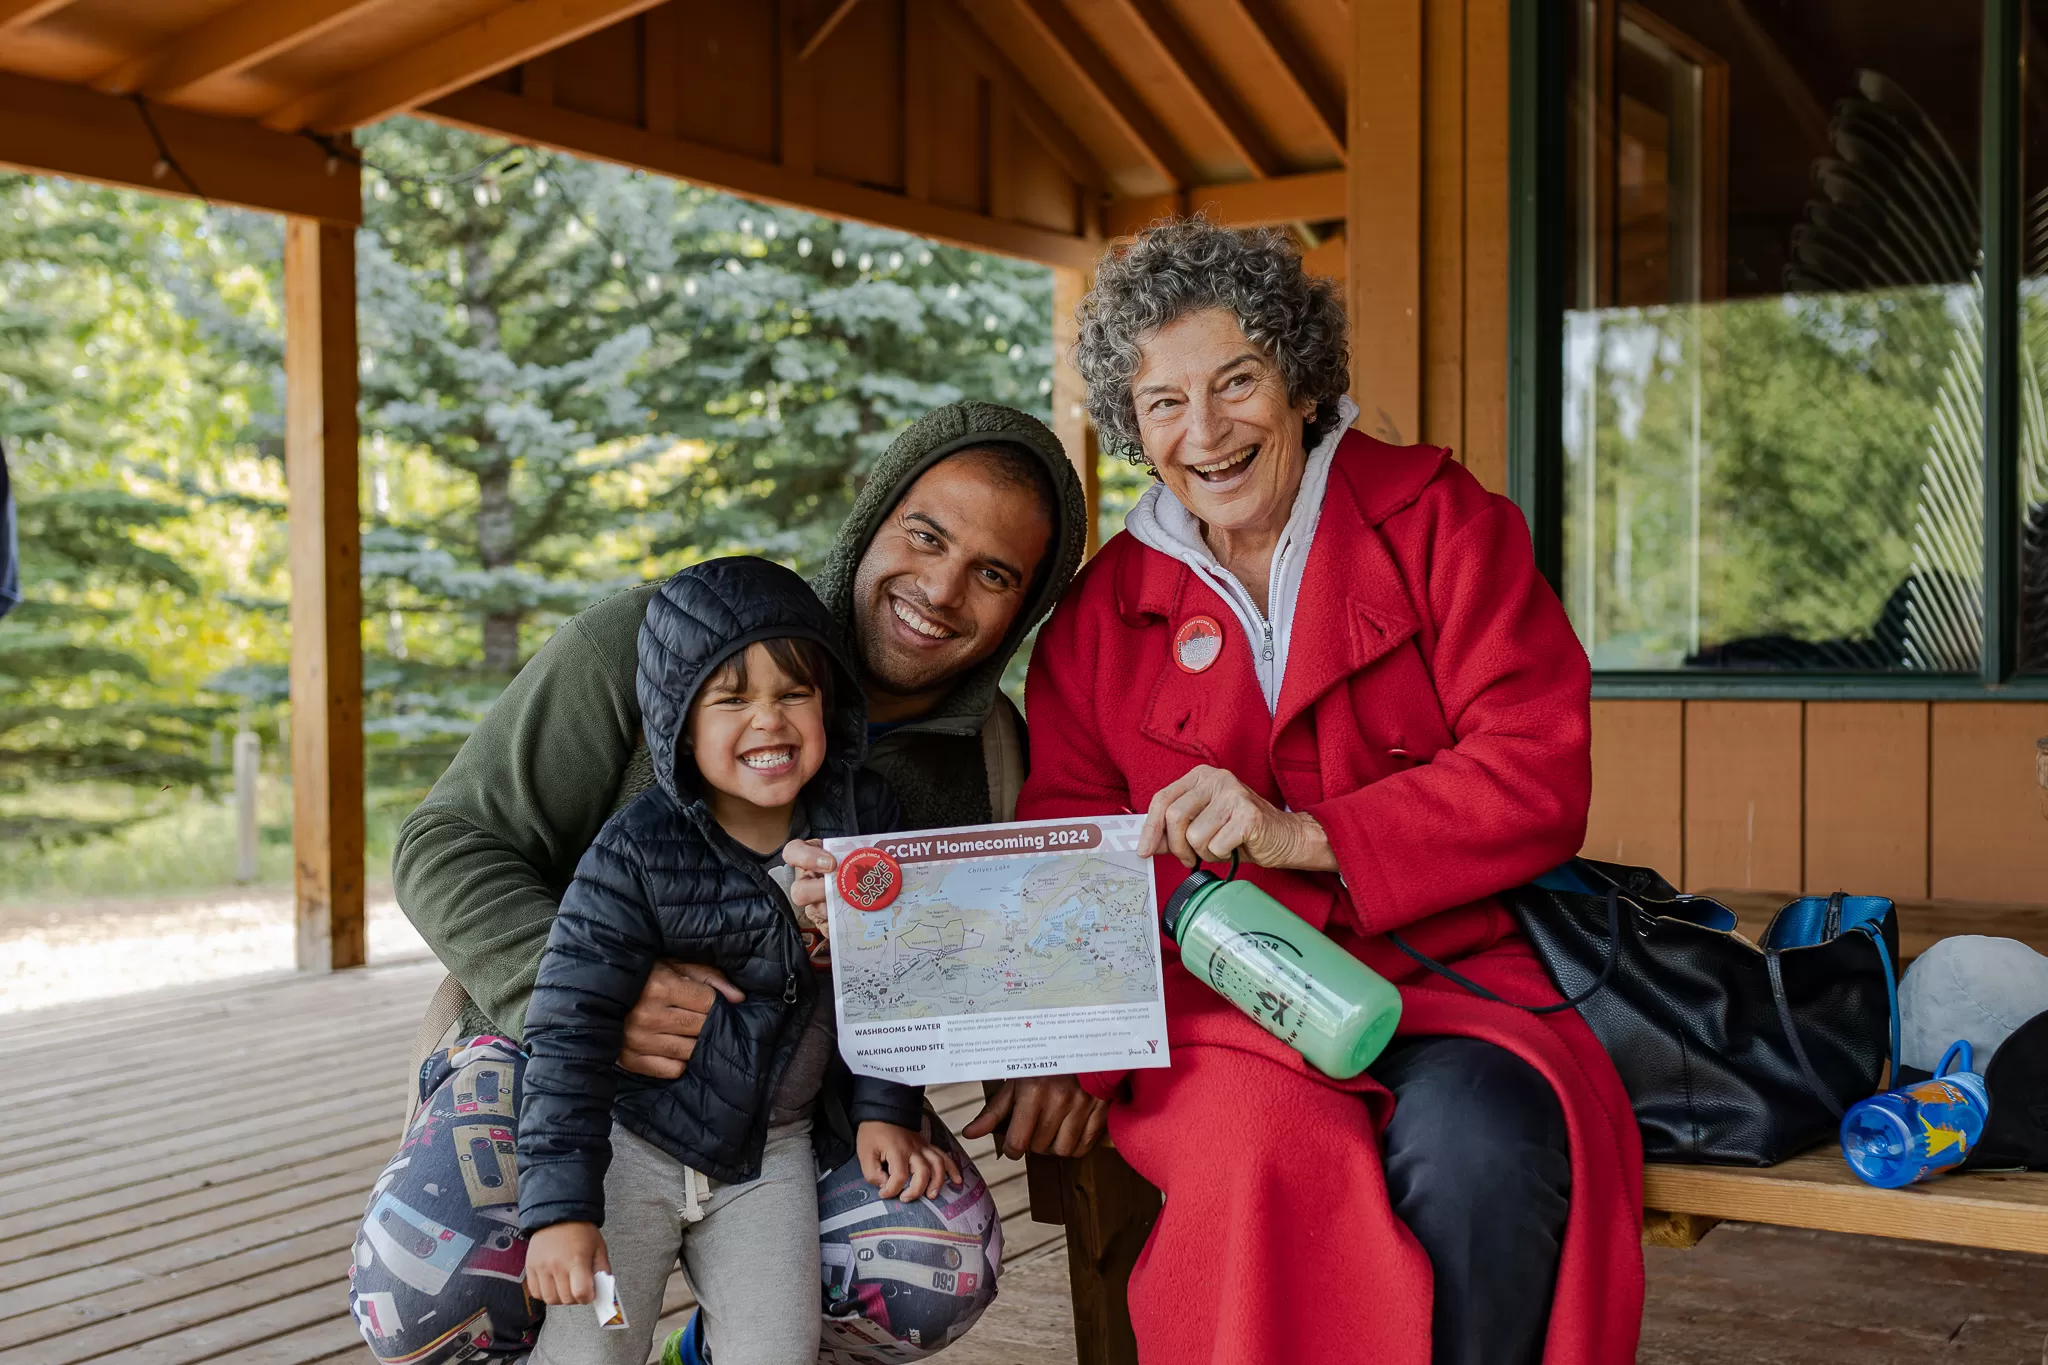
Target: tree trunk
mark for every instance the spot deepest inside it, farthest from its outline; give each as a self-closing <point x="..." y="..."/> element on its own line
<point x="495" y="529"/>
<point x="501" y="640"/>
<point x="497" y="525"/>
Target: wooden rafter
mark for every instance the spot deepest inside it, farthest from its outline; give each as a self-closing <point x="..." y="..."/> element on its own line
<point x="1311" y="197"/>
<point x="231" y="41"/>
<point x="1277" y="36"/>
<point x="16" y="14"/>
<point x="462" y="57"/>
<point x="508" y="116"/>
<point x="815" y="39"/>
<point x="1072" y="154"/>
<point x="52" y="129"/>
<point x="1050" y="20"/>
<point x="1209" y="88"/>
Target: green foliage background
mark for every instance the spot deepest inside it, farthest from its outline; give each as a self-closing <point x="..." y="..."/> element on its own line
<point x="574" y="377"/>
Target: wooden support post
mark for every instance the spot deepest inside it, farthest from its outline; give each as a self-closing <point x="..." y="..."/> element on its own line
<point x="1070" y="396"/>
<point x="326" y="611"/>
<point x="1680" y="1231"/>
<point x="1109" y="1213"/>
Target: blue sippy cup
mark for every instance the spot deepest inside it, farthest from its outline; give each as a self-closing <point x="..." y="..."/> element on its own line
<point x="1920" y="1130"/>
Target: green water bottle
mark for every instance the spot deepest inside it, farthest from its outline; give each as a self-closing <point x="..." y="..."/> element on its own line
<point x="1265" y="959"/>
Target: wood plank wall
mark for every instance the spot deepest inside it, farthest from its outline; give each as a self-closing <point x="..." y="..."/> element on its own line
<point x="1425" y="250"/>
<point x="1904" y="799"/>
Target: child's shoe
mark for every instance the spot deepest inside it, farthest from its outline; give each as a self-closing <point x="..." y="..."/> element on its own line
<point x="686" y="1347"/>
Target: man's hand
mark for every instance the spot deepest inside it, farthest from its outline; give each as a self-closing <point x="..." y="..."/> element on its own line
<point x="1049" y="1115"/>
<point x="662" y="1029"/>
<point x="812" y="864"/>
<point x="561" y="1259"/>
<point x="1207" y="814"/>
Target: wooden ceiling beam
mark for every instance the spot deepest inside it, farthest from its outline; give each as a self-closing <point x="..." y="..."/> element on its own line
<point x="1292" y="57"/>
<point x="501" y="115"/>
<point x="815" y="39"/>
<point x="232" y="41"/>
<point x="1050" y="20"/>
<point x="1210" y="90"/>
<point x="1312" y="197"/>
<point x="1071" y="153"/>
<point x="16" y="14"/>
<point x="477" y="50"/>
<point x="52" y="129"/>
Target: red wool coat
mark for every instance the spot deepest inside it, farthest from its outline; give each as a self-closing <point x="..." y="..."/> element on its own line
<point x="1434" y="718"/>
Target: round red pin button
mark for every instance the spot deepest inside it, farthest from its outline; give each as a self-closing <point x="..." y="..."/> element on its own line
<point x="1197" y="644"/>
<point x="869" y="879"/>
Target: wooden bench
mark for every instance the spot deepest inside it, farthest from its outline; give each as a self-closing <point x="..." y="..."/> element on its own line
<point x="1109" y="1209"/>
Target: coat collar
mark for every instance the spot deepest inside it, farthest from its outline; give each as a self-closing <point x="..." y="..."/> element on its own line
<point x="1354" y="606"/>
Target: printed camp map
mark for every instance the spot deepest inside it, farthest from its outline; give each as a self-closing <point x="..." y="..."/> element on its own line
<point x="1001" y="949"/>
<point x="1041" y="932"/>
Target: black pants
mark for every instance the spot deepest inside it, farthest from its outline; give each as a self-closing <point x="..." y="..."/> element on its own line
<point x="1479" y="1169"/>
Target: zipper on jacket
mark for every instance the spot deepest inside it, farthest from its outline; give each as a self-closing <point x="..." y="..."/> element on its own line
<point x="789" y="989"/>
<point x="1266" y="650"/>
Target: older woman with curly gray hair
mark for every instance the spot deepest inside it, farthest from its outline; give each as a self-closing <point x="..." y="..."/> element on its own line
<point x="1334" y="659"/>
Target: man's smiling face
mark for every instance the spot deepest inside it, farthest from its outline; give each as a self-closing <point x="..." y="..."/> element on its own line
<point x="942" y="581"/>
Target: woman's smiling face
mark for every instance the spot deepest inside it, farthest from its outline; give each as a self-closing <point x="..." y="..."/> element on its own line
<point x="1216" y="423"/>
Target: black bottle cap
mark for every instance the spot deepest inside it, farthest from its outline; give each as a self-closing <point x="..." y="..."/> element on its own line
<point x="1177" y="903"/>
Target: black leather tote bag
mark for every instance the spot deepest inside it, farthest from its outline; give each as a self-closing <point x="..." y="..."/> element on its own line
<point x="1733" y="1053"/>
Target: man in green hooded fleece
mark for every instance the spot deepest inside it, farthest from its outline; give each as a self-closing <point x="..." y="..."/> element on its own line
<point x="965" y="533"/>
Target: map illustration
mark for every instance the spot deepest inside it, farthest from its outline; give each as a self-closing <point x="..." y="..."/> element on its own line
<point x="1036" y="931"/>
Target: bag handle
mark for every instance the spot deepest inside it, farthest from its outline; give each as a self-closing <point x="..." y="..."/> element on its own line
<point x="1791" y="1027"/>
<point x="1599" y="982"/>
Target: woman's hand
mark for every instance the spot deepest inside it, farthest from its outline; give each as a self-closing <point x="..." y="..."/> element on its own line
<point x="901" y="1164"/>
<point x="561" y="1260"/>
<point x="1203" y="816"/>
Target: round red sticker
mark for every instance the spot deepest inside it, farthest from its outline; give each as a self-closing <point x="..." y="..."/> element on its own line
<point x="869" y="879"/>
<point x="1197" y="644"/>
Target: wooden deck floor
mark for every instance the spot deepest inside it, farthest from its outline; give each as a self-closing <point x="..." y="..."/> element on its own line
<point x="181" y="1175"/>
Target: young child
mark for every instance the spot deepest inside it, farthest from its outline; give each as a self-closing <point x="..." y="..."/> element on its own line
<point x="756" y="731"/>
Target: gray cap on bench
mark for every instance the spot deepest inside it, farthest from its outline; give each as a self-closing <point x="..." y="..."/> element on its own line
<point x="1970" y="987"/>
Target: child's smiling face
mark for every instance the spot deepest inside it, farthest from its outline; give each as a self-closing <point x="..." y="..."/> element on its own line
<point x="756" y="732"/>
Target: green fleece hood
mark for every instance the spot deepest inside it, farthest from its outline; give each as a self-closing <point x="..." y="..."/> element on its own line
<point x="931" y="438"/>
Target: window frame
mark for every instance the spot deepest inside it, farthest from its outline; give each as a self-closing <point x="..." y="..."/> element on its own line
<point x="1535" y="427"/>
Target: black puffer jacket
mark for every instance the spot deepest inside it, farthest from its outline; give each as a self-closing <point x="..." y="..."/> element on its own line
<point x="663" y="880"/>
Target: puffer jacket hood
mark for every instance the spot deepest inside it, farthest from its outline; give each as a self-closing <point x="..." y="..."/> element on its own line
<point x="705" y="615"/>
<point x="931" y="438"/>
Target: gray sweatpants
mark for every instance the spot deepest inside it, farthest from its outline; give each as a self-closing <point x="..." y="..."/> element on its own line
<point x="752" y="1258"/>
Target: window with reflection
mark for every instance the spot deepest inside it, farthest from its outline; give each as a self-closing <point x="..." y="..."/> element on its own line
<point x="1773" y="338"/>
<point x="2033" y="364"/>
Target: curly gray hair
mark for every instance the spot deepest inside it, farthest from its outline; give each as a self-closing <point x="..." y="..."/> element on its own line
<point x="1181" y="265"/>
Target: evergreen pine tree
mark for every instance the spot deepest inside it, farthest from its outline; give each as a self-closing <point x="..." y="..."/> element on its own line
<point x="502" y="334"/>
<point x="808" y="344"/>
<point x="78" y="703"/>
